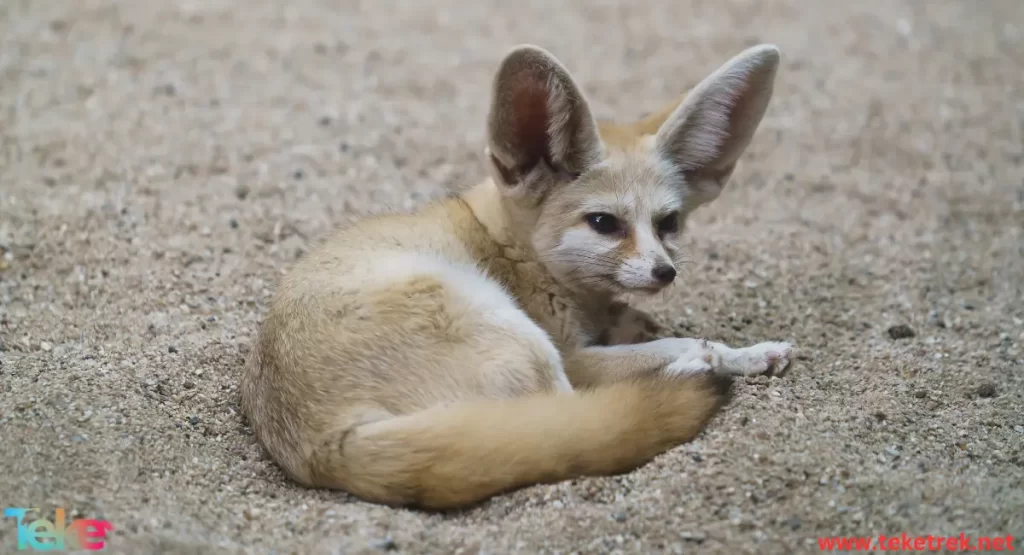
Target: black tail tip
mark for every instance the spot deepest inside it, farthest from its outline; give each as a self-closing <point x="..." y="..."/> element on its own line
<point x="722" y="386"/>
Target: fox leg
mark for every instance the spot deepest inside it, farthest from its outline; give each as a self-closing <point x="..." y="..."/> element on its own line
<point x="709" y="356"/>
<point x="601" y="364"/>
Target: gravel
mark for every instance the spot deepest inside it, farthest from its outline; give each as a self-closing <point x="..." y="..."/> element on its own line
<point x="884" y="188"/>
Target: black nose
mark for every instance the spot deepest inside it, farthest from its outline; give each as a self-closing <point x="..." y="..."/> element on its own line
<point x="664" y="273"/>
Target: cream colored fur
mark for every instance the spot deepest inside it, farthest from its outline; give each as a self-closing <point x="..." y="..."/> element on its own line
<point x="475" y="346"/>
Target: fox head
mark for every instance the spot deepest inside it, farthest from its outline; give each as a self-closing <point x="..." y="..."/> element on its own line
<point x="603" y="205"/>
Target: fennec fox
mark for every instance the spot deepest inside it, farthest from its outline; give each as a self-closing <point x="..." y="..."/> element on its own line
<point x="476" y="346"/>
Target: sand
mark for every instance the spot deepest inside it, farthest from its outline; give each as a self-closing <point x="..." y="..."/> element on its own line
<point x="162" y="163"/>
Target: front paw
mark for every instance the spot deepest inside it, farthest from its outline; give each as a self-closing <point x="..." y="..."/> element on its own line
<point x="765" y="357"/>
<point x="699" y="358"/>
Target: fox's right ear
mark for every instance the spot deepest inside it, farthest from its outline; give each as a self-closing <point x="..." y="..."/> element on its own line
<point x="540" y="128"/>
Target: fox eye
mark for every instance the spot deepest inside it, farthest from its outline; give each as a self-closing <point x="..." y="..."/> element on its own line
<point x="605" y="224"/>
<point x="668" y="224"/>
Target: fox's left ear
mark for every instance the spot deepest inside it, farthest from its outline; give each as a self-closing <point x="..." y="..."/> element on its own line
<point x="540" y="128"/>
<point x="707" y="133"/>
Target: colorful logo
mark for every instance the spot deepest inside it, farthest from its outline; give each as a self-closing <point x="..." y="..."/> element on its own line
<point x="44" y="535"/>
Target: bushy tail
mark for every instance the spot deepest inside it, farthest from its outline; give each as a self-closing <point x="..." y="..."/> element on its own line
<point x="453" y="456"/>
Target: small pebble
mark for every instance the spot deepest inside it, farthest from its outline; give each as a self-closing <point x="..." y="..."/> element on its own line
<point x="384" y="544"/>
<point x="793" y="522"/>
<point x="698" y="537"/>
<point x="986" y="390"/>
<point x="189" y="385"/>
<point x="242" y="191"/>
<point x="619" y="516"/>
<point x="904" y="27"/>
<point x="193" y="420"/>
<point x="45" y="346"/>
<point x="233" y="223"/>
<point x="172" y="349"/>
<point x="921" y="393"/>
<point x="1019" y="429"/>
<point x="901" y="331"/>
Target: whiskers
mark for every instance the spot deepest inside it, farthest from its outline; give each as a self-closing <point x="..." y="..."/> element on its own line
<point x="587" y="269"/>
<point x="682" y="262"/>
<point x="595" y="269"/>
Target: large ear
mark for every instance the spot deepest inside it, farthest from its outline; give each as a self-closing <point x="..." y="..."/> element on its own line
<point x="540" y="129"/>
<point x="707" y="133"/>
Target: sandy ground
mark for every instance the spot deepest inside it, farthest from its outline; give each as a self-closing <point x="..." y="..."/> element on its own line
<point x="162" y="162"/>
